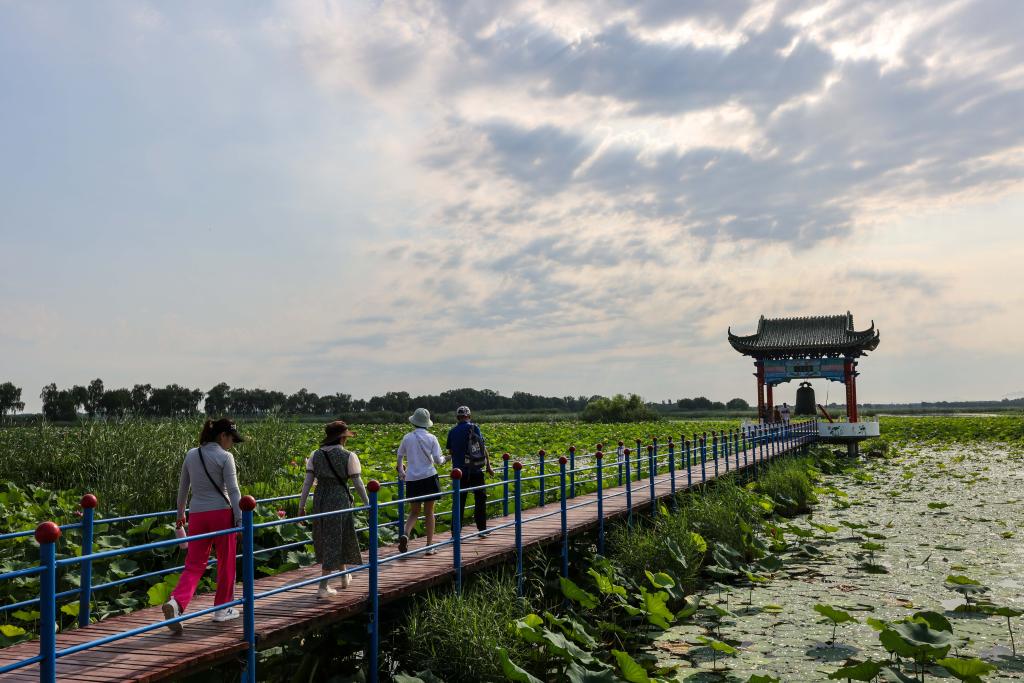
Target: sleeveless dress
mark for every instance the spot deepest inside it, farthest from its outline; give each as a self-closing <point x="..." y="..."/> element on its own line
<point x="334" y="537"/>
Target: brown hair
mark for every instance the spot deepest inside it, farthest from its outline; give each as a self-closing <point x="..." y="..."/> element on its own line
<point x="206" y="435"/>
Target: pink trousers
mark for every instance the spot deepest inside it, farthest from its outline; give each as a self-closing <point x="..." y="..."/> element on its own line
<point x="199" y="553"/>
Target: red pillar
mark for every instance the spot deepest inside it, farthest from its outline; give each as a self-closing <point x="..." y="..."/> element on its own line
<point x="849" y="378"/>
<point x="760" y="390"/>
<point x="853" y="390"/>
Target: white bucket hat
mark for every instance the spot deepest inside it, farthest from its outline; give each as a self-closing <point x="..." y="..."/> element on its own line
<point x="421" y="418"/>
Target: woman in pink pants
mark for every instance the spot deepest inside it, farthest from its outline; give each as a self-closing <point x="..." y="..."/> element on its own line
<point x="209" y="472"/>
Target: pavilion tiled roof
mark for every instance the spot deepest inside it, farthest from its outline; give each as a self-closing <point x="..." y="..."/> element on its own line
<point x="814" y="336"/>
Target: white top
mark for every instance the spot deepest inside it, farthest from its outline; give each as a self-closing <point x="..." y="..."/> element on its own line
<point x="207" y="495"/>
<point x="421" y="451"/>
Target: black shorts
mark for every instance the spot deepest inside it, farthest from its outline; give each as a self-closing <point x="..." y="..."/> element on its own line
<point x="423" y="487"/>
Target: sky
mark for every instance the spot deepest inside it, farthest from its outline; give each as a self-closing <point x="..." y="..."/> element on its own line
<point x="565" y="198"/>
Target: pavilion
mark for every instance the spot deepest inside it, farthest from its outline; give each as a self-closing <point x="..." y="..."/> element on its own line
<point x="825" y="346"/>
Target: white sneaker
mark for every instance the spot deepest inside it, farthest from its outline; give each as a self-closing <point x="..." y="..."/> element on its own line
<point x="171" y="610"/>
<point x="325" y="592"/>
<point x="226" y="614"/>
<point x="345" y="581"/>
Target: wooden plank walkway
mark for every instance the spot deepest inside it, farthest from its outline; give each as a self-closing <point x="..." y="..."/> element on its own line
<point x="161" y="655"/>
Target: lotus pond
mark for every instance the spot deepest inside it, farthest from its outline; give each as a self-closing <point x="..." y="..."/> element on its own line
<point x="931" y="530"/>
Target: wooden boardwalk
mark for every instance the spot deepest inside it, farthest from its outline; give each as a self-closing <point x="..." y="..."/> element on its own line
<point x="161" y="655"/>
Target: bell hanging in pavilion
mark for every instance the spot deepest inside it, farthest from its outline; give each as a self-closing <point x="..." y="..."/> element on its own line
<point x="805" y="404"/>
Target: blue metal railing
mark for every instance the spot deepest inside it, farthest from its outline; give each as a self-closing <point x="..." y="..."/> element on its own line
<point x="761" y="442"/>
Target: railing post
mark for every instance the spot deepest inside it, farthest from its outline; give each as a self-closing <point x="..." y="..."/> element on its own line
<point x="736" y="446"/>
<point x="599" y="456"/>
<point x="629" y="488"/>
<point x="639" y="445"/>
<point x="725" y="448"/>
<point x="703" y="457"/>
<point x="373" y="487"/>
<point x="572" y="471"/>
<point x="746" y="459"/>
<point x="518" y="467"/>
<point x="401" y="507"/>
<point x="46" y="535"/>
<point x="672" y="469"/>
<point x="689" y="462"/>
<point x="504" y="486"/>
<point x="457" y="527"/>
<point x="562" y="460"/>
<point x="88" y="503"/>
<point x="247" y="504"/>
<point x="714" y="450"/>
<point x="618" y="454"/>
<point x="650" y="476"/>
<point x="540" y="455"/>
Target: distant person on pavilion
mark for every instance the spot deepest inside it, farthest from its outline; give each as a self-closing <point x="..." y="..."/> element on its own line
<point x="784" y="412"/>
<point x="421" y="451"/>
<point x="208" y="473"/>
<point x="469" y="454"/>
<point x="332" y="467"/>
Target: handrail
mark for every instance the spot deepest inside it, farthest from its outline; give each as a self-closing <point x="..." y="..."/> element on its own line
<point x="760" y="443"/>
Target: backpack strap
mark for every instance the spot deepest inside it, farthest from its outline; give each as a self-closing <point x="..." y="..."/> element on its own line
<point x="220" y="488"/>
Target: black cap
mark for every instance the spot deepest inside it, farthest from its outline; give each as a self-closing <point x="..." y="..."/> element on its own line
<point x="226" y="426"/>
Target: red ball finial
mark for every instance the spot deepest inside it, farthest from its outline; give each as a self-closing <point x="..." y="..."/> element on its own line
<point x="599" y="455"/>
<point x="456" y="473"/>
<point x="572" y="449"/>
<point x="541" y="453"/>
<point x="650" y="449"/>
<point x="505" y="456"/>
<point x="47" y="532"/>
<point x="88" y="501"/>
<point x="600" y="446"/>
<point x="627" y="452"/>
<point x="373" y="486"/>
<point x="247" y="503"/>
<point x="517" y="465"/>
<point x="562" y="460"/>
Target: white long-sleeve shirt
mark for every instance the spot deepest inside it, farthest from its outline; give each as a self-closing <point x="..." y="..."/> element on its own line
<point x="207" y="496"/>
<point x="421" y="451"/>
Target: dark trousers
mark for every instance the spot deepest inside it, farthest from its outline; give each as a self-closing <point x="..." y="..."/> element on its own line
<point x="470" y="478"/>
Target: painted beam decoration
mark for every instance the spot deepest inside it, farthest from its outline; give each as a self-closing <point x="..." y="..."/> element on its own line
<point x="778" y="371"/>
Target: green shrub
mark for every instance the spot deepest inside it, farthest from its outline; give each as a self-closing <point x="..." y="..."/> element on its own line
<point x="665" y="545"/>
<point x="457" y="637"/>
<point x="716" y="514"/>
<point x="788" y="483"/>
<point x="618" y="409"/>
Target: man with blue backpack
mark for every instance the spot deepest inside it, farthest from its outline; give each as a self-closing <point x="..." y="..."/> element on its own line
<point x="466" y="445"/>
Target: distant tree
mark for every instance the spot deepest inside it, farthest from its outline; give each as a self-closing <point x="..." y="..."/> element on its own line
<point x="302" y="402"/>
<point x="217" y="400"/>
<point x="140" y="400"/>
<point x="175" y="401"/>
<point x="737" y="404"/>
<point x="92" y="397"/>
<point x="60" y="404"/>
<point x="10" y="399"/>
<point x="619" y="408"/>
<point x="116" y="403"/>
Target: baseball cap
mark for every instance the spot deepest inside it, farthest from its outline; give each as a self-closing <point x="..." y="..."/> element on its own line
<point x="462" y="411"/>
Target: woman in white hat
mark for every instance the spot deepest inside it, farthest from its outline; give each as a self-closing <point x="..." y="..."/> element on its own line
<point x="421" y="451"/>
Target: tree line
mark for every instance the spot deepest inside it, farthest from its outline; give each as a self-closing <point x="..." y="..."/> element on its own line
<point x="95" y="400"/>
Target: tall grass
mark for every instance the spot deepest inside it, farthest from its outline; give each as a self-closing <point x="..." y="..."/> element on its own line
<point x="664" y="544"/>
<point x="134" y="465"/>
<point x="788" y="483"/>
<point x="456" y="637"/>
<point x="716" y="513"/>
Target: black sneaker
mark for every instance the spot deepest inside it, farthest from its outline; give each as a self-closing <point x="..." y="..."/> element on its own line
<point x="403" y="543"/>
